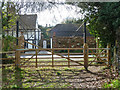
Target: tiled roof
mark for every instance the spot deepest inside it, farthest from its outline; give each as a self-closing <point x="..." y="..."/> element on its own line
<point x="27" y="21"/>
<point x="68" y="30"/>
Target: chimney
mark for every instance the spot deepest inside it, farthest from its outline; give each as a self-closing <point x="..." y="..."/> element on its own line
<point x="46" y="25"/>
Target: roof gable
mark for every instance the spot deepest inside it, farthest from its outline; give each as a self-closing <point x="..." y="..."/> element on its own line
<point x="27" y="21"/>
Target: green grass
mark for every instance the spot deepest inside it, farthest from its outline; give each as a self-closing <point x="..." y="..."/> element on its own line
<point x="113" y="84"/>
<point x="46" y="77"/>
<point x="50" y="63"/>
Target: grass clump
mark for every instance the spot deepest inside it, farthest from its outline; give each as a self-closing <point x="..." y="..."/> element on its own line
<point x="58" y="73"/>
<point x="113" y="84"/>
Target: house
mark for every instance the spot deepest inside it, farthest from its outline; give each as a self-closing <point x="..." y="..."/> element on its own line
<point x="70" y="36"/>
<point x="29" y="26"/>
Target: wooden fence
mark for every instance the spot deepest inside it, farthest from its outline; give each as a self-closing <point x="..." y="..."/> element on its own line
<point x="62" y="57"/>
<point x="10" y="60"/>
<point x="56" y="58"/>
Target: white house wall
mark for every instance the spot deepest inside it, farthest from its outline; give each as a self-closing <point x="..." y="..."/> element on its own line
<point x="29" y="32"/>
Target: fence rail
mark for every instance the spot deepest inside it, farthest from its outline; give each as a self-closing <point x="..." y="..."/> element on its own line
<point x="70" y="58"/>
<point x="83" y="57"/>
<point x="10" y="61"/>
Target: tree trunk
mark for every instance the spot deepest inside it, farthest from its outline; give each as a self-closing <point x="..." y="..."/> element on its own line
<point x="118" y="48"/>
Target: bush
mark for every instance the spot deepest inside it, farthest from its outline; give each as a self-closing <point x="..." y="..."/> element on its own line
<point x="113" y="84"/>
<point x="9" y="43"/>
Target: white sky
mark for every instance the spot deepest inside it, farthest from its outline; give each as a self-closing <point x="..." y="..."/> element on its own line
<point x="57" y="15"/>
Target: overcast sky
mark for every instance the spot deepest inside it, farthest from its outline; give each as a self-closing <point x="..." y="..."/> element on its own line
<point x="57" y="15"/>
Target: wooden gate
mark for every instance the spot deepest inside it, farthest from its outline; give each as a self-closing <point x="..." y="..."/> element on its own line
<point x="63" y="57"/>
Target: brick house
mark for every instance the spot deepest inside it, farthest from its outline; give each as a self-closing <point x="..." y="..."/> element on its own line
<point x="66" y="36"/>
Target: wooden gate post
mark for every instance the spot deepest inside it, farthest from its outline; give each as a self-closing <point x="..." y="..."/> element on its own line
<point x="108" y="54"/>
<point x="52" y="58"/>
<point x="68" y="58"/>
<point x="85" y="51"/>
<point x="17" y="59"/>
<point x="36" y="58"/>
<point x="18" y="78"/>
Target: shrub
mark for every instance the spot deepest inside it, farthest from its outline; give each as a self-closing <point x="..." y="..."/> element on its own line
<point x="113" y="84"/>
<point x="9" y="43"/>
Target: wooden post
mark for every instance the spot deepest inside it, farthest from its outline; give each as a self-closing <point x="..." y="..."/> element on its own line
<point x="36" y="58"/>
<point x="85" y="51"/>
<point x="108" y="55"/>
<point x="52" y="58"/>
<point x="18" y="78"/>
<point x="115" y="54"/>
<point x="97" y="50"/>
<point x="97" y="45"/>
<point x="115" y="59"/>
<point x="68" y="58"/>
<point x="17" y="57"/>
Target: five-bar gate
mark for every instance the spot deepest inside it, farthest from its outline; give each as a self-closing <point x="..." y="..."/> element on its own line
<point x="63" y="57"/>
